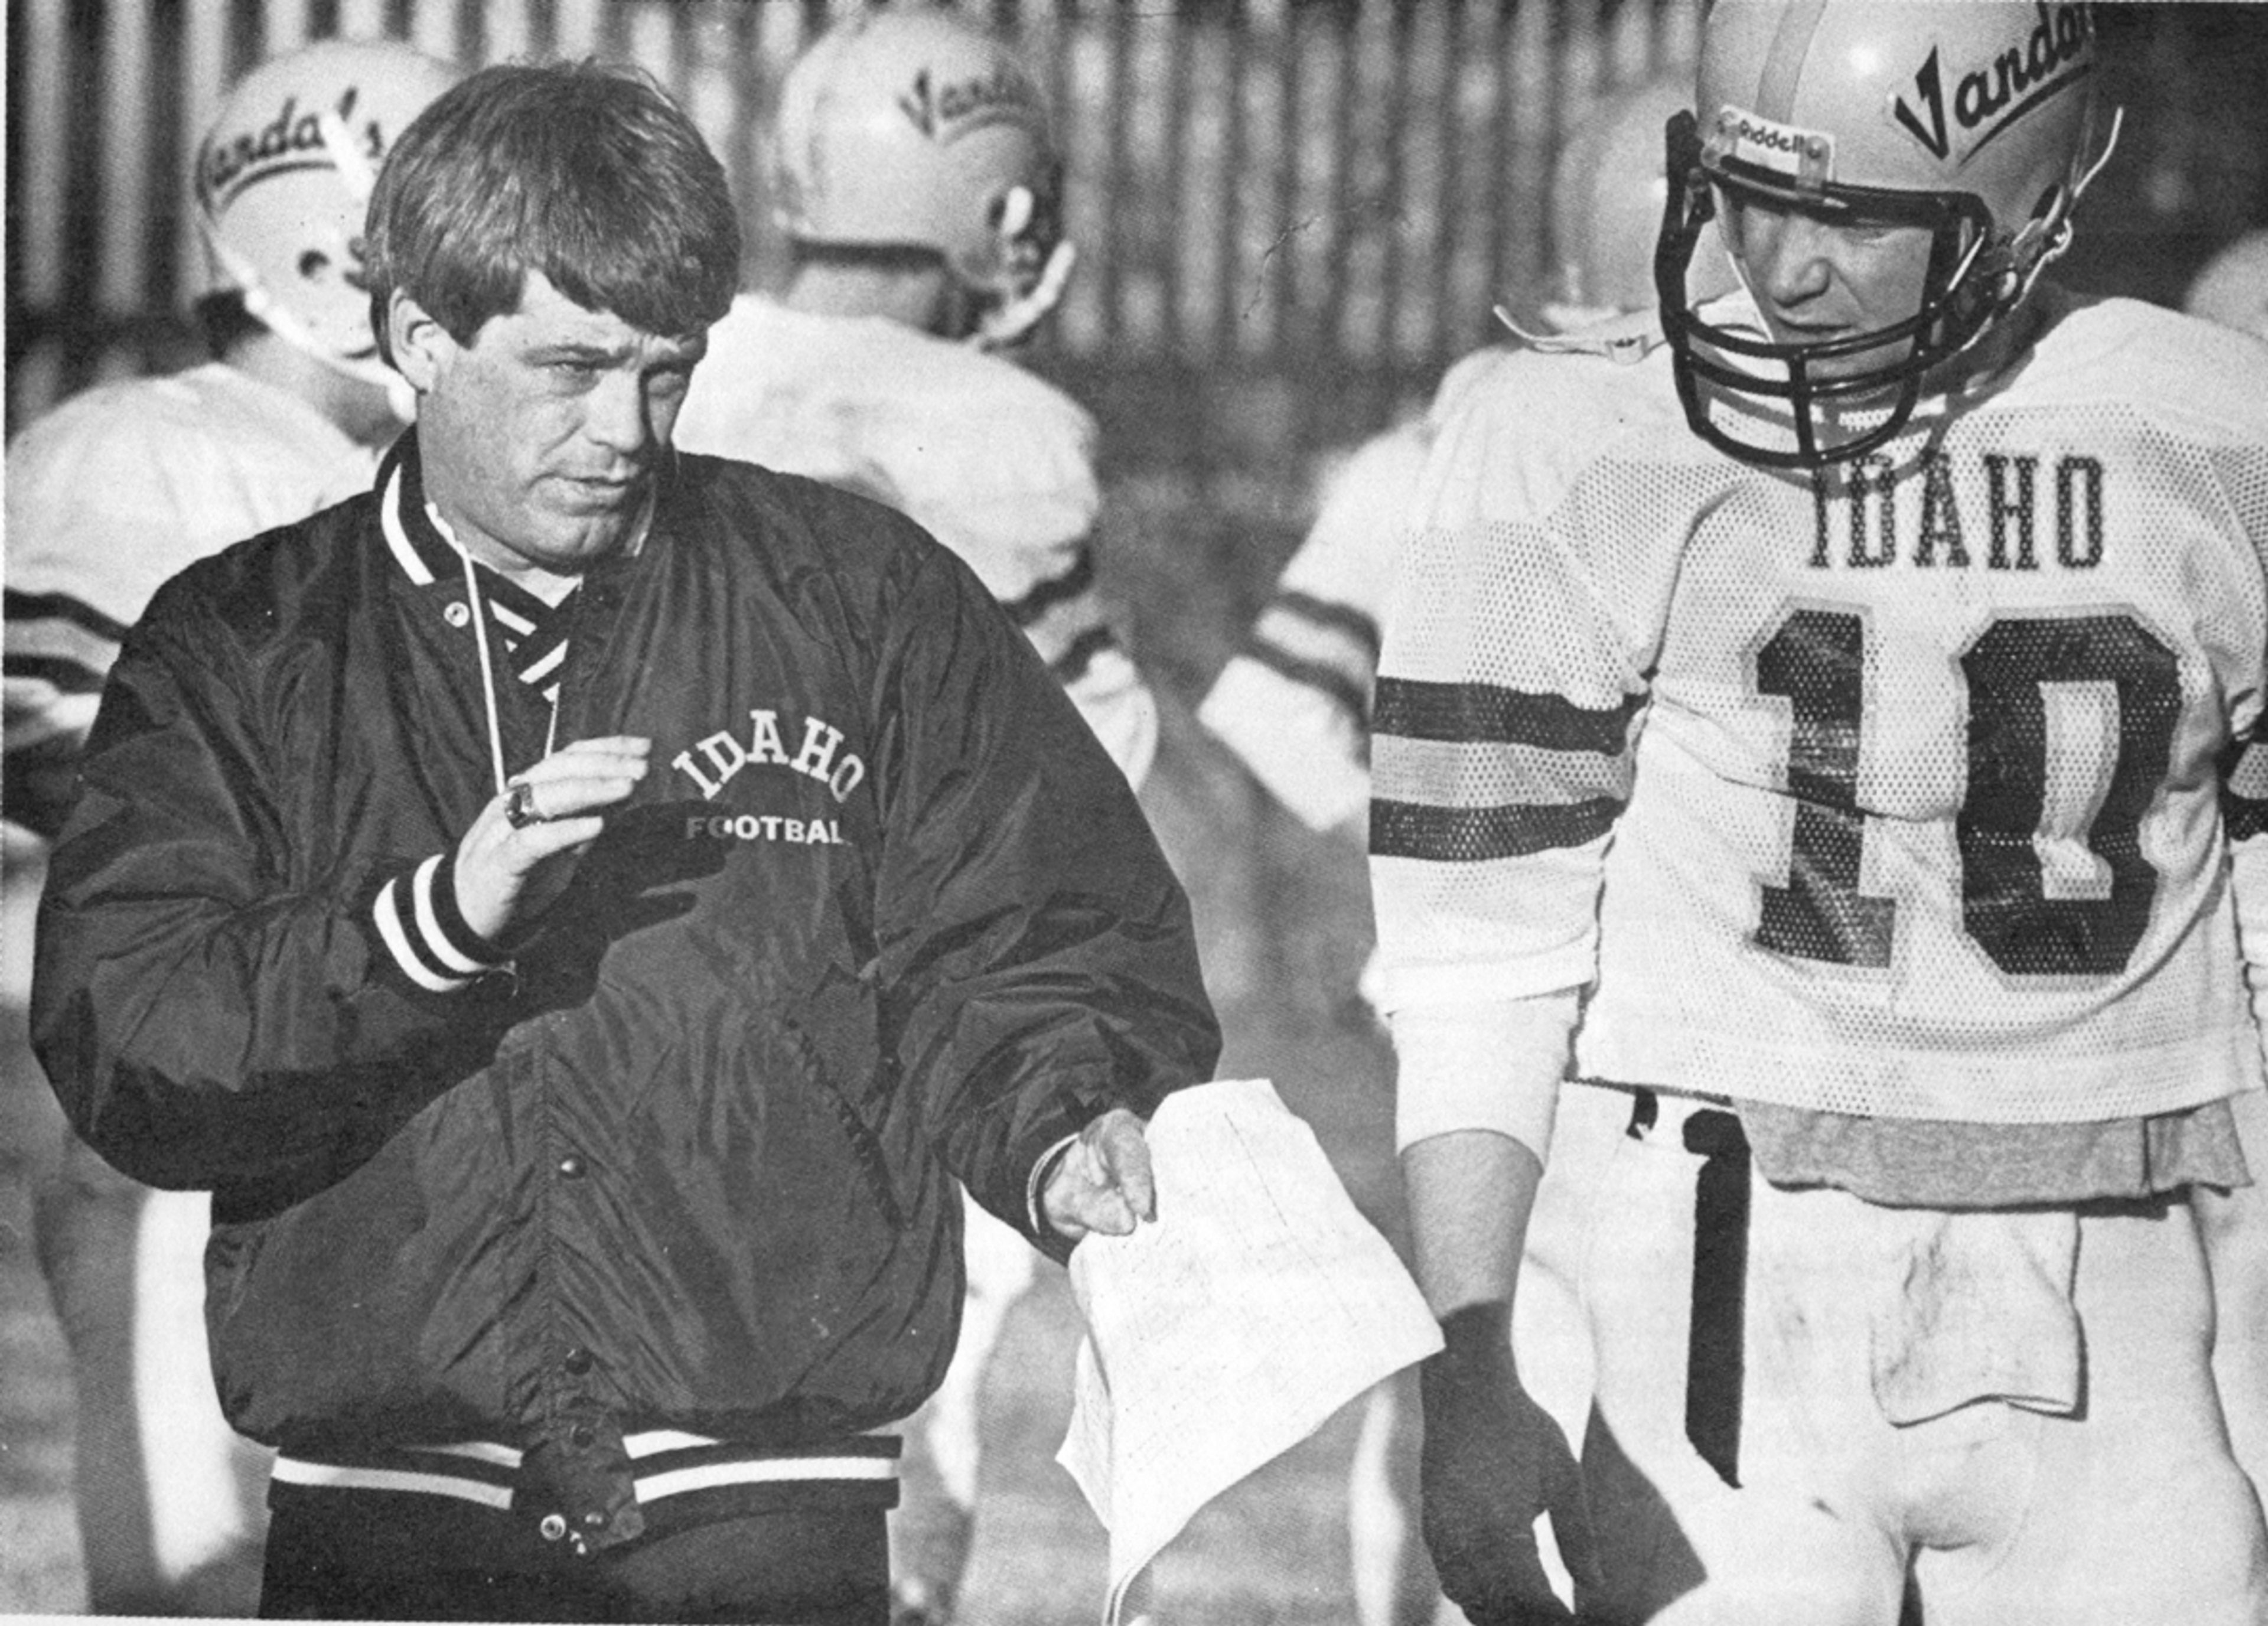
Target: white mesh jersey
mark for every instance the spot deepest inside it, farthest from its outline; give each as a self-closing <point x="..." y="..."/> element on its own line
<point x="1892" y="792"/>
<point x="997" y="464"/>
<point x="123" y="485"/>
<point x="1294" y="701"/>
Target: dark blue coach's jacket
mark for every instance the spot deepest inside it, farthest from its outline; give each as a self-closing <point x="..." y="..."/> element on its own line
<point x="881" y="912"/>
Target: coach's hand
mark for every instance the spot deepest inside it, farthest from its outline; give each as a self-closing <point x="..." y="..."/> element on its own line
<point x="1493" y="1462"/>
<point x="519" y="853"/>
<point x="1103" y="1182"/>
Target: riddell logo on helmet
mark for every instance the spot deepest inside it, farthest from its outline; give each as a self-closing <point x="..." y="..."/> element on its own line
<point x="1769" y="144"/>
<point x="1989" y="98"/>
<point x="944" y="113"/>
<point x="290" y="140"/>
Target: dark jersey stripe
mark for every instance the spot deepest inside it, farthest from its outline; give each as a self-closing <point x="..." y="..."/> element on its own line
<point x="1070" y="666"/>
<point x="62" y="607"/>
<point x="1059" y="590"/>
<point x="1482" y="713"/>
<point x="72" y="677"/>
<point x="1476" y="834"/>
<point x="1314" y="674"/>
<point x="1339" y="617"/>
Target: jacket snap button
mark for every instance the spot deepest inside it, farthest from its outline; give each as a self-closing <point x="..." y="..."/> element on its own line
<point x="578" y="1361"/>
<point x="552" y="1528"/>
<point x="570" y="1167"/>
<point x="581" y="1435"/>
<point x="456" y="614"/>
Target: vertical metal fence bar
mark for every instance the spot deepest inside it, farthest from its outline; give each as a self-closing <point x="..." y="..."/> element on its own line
<point x="443" y="28"/>
<point x="1333" y="246"/>
<point x="363" y="19"/>
<point x="1235" y="51"/>
<point x="1446" y="330"/>
<point x="205" y="72"/>
<point x="40" y="186"/>
<point x="508" y="33"/>
<point x="1117" y="169"/>
<point x="123" y="227"/>
<point x="577" y="27"/>
<point x="1181" y="191"/>
<point x="283" y="26"/>
<point x="1286" y="234"/>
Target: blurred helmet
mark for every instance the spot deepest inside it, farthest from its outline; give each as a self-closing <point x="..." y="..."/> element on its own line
<point x="1609" y="187"/>
<point x="1974" y="121"/>
<point x="2233" y="287"/>
<point x="916" y="128"/>
<point x="282" y="178"/>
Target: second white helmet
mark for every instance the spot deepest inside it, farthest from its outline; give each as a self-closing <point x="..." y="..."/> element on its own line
<point x="283" y="176"/>
<point x="915" y="129"/>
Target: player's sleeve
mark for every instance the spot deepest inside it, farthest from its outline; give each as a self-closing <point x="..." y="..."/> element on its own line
<point x="207" y="1009"/>
<point x="1502" y="743"/>
<point x="84" y="493"/>
<point x="1294" y="701"/>
<point x="1037" y="946"/>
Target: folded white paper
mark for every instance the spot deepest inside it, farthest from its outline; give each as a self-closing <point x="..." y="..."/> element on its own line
<point x="1258" y="1304"/>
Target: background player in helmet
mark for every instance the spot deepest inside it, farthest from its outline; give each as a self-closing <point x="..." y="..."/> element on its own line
<point x="1814" y="729"/>
<point x="917" y="184"/>
<point x="107" y="496"/>
<point x="1294" y="703"/>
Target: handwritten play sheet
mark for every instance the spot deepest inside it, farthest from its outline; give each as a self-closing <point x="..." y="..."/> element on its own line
<point x="1257" y="1304"/>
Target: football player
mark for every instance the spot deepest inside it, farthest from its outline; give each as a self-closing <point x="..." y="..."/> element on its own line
<point x="1814" y="731"/>
<point x="108" y="495"/>
<point x="1294" y="703"/>
<point x="917" y="181"/>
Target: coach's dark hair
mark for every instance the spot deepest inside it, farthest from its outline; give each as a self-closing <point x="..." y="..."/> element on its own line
<point x="584" y="172"/>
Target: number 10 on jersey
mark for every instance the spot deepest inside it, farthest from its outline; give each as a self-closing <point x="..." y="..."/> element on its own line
<point x="1817" y="660"/>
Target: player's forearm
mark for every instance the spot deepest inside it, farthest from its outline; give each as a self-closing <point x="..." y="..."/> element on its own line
<point x="1469" y="1196"/>
<point x="1476" y="1088"/>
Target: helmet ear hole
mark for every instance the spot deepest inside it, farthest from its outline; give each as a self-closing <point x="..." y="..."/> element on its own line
<point x="312" y="263"/>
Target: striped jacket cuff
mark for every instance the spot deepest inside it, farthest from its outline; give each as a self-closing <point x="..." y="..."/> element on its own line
<point x="424" y="936"/>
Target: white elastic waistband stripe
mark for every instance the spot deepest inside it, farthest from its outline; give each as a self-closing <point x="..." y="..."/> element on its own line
<point x="678" y="1481"/>
<point x="293" y="1471"/>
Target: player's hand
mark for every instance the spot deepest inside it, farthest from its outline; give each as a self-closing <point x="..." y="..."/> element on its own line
<point x="507" y="872"/>
<point x="1103" y="1182"/>
<point x="1493" y="1462"/>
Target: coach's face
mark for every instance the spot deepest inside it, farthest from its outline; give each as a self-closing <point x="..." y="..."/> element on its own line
<point x="540" y="438"/>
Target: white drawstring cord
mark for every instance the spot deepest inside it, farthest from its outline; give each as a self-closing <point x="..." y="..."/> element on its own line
<point x="480" y="609"/>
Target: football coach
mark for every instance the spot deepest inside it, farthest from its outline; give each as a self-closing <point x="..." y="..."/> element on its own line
<point x="578" y="907"/>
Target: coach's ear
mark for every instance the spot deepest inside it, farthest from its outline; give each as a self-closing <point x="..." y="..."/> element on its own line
<point x="421" y="347"/>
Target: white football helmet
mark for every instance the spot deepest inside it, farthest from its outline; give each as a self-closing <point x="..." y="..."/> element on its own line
<point x="2233" y="287"/>
<point x="1608" y="191"/>
<point x="1976" y="120"/>
<point x="915" y="129"/>
<point x="282" y="179"/>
